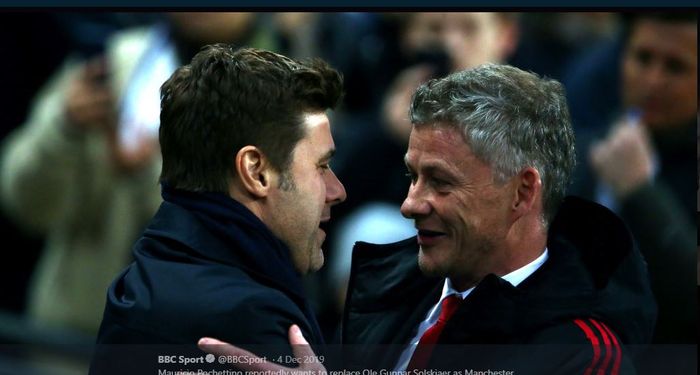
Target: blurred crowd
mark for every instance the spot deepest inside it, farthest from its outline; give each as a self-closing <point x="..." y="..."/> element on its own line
<point x="79" y="159"/>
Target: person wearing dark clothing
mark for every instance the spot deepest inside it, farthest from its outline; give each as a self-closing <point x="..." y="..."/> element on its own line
<point x="502" y="257"/>
<point x="659" y="214"/>
<point x="641" y="164"/>
<point x="206" y="239"/>
<point x="246" y="145"/>
<point x="595" y="281"/>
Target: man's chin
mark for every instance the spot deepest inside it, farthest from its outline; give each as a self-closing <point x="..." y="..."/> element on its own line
<point x="428" y="266"/>
<point x="316" y="263"/>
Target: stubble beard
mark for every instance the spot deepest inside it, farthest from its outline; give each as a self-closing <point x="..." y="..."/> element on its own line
<point x="286" y="182"/>
<point x="458" y="265"/>
<point x="315" y="252"/>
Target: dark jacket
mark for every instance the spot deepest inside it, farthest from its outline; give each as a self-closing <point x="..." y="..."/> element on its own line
<point x="192" y="278"/>
<point x="594" y="276"/>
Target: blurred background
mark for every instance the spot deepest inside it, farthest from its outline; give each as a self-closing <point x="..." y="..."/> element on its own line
<point x="79" y="159"/>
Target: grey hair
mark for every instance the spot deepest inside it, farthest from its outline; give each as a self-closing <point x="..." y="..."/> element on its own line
<point x="511" y="119"/>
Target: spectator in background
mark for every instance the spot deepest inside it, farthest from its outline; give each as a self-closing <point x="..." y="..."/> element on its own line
<point x="642" y="166"/>
<point x="83" y="169"/>
<point x="436" y="44"/>
<point x="23" y="74"/>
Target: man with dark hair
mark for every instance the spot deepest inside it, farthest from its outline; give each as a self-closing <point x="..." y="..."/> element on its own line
<point x="506" y="274"/>
<point x="639" y="160"/>
<point x="246" y="183"/>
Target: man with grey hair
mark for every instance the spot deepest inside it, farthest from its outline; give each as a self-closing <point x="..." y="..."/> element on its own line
<point x="502" y="257"/>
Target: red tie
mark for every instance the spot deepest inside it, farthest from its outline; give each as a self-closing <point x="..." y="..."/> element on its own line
<point x="427" y="342"/>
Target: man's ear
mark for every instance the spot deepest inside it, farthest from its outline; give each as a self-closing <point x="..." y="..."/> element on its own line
<point x="254" y="171"/>
<point x="528" y="188"/>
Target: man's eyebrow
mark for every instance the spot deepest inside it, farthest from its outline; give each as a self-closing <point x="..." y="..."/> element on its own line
<point x="328" y="155"/>
<point x="432" y="166"/>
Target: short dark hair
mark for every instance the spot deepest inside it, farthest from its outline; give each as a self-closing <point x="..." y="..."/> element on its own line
<point x="226" y="99"/>
<point x="630" y="19"/>
<point x="511" y="119"/>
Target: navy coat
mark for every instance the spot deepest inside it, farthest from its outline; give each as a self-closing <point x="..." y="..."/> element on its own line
<point x="189" y="281"/>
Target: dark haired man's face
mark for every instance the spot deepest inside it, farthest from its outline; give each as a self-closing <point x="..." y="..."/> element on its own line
<point x="303" y="203"/>
<point x="660" y="72"/>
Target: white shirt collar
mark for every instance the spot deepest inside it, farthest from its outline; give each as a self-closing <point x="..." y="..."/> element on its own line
<point x="514" y="278"/>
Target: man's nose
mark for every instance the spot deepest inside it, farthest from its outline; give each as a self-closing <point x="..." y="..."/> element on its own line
<point x="415" y="204"/>
<point x="656" y="75"/>
<point x="335" y="191"/>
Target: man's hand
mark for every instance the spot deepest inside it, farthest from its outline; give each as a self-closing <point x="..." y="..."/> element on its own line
<point x="623" y="160"/>
<point x="90" y="106"/>
<point x="398" y="99"/>
<point x="300" y="349"/>
<point x="135" y="159"/>
<point x="89" y="103"/>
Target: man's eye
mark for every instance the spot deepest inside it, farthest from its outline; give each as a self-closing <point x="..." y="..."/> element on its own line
<point x="325" y="167"/>
<point x="411" y="176"/>
<point x="438" y="182"/>
<point x="675" y="66"/>
<point x="643" y="57"/>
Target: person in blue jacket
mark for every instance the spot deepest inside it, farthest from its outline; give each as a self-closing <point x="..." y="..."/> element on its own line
<point x="246" y="187"/>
